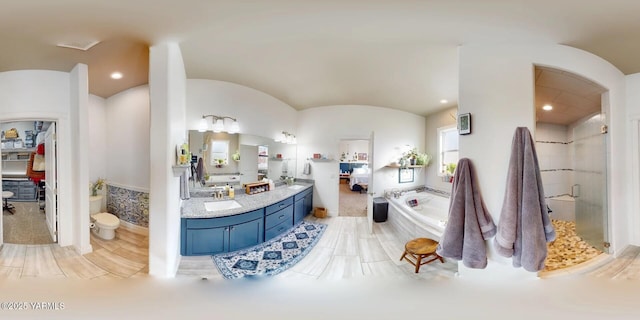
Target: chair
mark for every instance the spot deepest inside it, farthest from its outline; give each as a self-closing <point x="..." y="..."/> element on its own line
<point x="418" y="249"/>
<point x="6" y="205"/>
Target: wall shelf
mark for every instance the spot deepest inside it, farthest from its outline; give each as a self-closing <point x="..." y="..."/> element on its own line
<point x="393" y="165"/>
<point x="320" y="160"/>
<point x="179" y="170"/>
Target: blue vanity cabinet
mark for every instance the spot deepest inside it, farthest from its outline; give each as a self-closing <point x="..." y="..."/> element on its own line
<point x="308" y="201"/>
<point x="206" y="236"/>
<point x="209" y="236"/>
<point x="303" y="205"/>
<point x="279" y="218"/>
<point x="246" y="234"/>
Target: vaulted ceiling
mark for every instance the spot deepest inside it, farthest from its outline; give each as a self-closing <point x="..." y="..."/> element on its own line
<point x="399" y="54"/>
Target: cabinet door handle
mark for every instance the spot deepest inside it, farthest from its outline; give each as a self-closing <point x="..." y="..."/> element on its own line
<point x="281" y="216"/>
<point x="282" y="205"/>
<point x="281" y="228"/>
<point x="232" y="228"/>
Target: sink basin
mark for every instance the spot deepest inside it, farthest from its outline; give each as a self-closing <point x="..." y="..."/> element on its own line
<point x="296" y="187"/>
<point x="221" y="205"/>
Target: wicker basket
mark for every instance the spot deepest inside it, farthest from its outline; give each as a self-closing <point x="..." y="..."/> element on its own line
<point x="11" y="133"/>
<point x="320" y="212"/>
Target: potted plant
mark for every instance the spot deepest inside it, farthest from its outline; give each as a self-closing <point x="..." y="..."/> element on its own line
<point x="236" y="156"/>
<point x="423" y="159"/>
<point x="96" y="186"/>
<point x="409" y="157"/>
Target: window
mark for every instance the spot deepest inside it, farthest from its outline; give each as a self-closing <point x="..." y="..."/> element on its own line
<point x="219" y="152"/>
<point x="447" y="149"/>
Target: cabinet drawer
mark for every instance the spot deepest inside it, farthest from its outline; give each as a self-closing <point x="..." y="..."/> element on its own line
<point x="13" y="189"/>
<point x="278" y="205"/>
<point x="277" y="229"/>
<point x="27" y="190"/>
<point x="276" y="218"/>
<point x="201" y="223"/>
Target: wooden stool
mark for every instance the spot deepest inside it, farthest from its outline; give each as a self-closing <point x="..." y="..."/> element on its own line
<point x="419" y="249"/>
<point x="5" y="205"/>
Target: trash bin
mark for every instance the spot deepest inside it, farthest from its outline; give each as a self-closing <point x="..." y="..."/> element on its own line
<point x="380" y="209"/>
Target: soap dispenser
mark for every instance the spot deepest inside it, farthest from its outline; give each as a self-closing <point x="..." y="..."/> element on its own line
<point x="232" y="193"/>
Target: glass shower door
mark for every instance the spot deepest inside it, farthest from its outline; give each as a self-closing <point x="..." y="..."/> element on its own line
<point x="590" y="175"/>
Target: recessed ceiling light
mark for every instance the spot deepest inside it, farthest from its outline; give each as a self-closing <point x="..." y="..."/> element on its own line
<point x="547" y="107"/>
<point x="444" y="101"/>
<point x="116" y="75"/>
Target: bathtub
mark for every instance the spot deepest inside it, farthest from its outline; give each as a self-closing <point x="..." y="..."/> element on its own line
<point x="563" y="207"/>
<point x="425" y="220"/>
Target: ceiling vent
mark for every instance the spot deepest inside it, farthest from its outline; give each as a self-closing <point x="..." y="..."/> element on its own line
<point x="79" y="45"/>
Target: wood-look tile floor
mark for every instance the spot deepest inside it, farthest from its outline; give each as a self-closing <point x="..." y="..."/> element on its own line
<point x="126" y="256"/>
<point x="346" y="251"/>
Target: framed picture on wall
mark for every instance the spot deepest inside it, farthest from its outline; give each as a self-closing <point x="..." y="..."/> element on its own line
<point x="464" y="123"/>
<point x="362" y="157"/>
<point x="405" y="175"/>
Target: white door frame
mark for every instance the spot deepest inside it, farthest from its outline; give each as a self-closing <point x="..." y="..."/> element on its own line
<point x="370" y="186"/>
<point x="64" y="157"/>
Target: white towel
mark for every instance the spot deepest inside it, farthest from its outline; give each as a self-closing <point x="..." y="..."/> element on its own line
<point x="524" y="227"/>
<point x="307" y="169"/>
<point x="184" y="185"/>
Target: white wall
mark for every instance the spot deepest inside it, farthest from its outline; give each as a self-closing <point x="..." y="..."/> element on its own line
<point x="320" y="131"/>
<point x="497" y="88"/>
<point x="79" y="116"/>
<point x="554" y="158"/>
<point x="633" y="184"/>
<point x="127" y="139"/>
<point x="167" y="88"/>
<point x="434" y="121"/>
<point x="351" y="148"/>
<point x="257" y="112"/>
<point x="97" y="138"/>
<point x="46" y="95"/>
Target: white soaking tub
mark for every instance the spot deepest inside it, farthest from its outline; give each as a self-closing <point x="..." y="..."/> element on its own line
<point x="419" y="215"/>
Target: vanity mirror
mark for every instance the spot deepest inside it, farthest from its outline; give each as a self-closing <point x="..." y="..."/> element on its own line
<point x="241" y="158"/>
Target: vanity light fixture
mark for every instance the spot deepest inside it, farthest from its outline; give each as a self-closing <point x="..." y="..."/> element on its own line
<point x="231" y="126"/>
<point x="286" y="137"/>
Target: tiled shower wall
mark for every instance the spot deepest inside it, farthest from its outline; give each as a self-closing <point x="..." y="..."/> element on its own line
<point x="555" y="157"/>
<point x="128" y="205"/>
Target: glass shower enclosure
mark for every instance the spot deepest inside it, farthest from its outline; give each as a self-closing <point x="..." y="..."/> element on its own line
<point x="590" y="181"/>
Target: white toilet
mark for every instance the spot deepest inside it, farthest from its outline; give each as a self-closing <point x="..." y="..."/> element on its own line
<point x="103" y="224"/>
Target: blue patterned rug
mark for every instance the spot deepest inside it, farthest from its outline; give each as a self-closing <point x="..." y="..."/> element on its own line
<point x="273" y="256"/>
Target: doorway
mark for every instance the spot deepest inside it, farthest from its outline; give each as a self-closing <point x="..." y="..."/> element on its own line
<point x="571" y="142"/>
<point x="354" y="177"/>
<point x="29" y="182"/>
